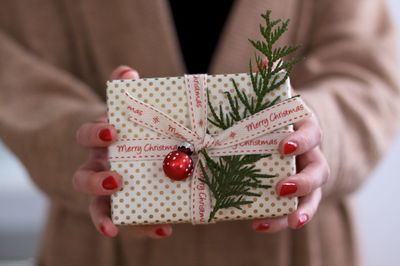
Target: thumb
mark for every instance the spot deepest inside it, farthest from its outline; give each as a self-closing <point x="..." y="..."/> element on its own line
<point x="124" y="72"/>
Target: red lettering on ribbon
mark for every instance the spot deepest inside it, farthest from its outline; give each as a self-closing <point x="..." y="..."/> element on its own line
<point x="149" y="147"/>
<point x="197" y="91"/>
<point x="123" y="148"/>
<point x="275" y="116"/>
<point x="135" y="110"/>
<point x="259" y="142"/>
<point x="202" y="201"/>
<point x="173" y="130"/>
<point x="254" y="125"/>
<point x="138" y="149"/>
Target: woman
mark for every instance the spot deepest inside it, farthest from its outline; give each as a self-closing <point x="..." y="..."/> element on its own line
<point x="56" y="56"/>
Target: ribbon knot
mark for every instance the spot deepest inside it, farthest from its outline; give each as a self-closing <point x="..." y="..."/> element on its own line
<point x="208" y="142"/>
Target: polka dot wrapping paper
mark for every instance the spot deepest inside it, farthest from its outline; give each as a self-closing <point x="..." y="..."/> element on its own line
<point x="147" y="195"/>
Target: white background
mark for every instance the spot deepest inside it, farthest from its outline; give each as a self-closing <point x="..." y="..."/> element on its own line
<point x="378" y="207"/>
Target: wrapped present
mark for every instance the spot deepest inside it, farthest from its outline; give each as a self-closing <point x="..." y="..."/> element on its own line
<point x="235" y="164"/>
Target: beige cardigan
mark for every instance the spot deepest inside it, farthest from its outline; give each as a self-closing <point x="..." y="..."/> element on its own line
<point x="55" y="57"/>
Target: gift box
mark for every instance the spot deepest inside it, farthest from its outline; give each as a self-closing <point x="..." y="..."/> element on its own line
<point x="153" y="116"/>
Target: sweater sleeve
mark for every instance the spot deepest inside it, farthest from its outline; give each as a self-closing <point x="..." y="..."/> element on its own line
<point x="350" y="77"/>
<point x="41" y="108"/>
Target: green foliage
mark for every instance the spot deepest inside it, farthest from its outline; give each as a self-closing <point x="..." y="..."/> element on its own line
<point x="270" y="75"/>
<point x="232" y="178"/>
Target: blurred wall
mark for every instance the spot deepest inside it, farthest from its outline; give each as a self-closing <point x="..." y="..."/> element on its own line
<point x="22" y="210"/>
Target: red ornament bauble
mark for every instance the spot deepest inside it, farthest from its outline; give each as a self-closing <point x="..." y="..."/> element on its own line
<point x="178" y="165"/>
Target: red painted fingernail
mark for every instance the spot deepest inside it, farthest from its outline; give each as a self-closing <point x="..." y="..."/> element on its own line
<point x="103" y="229"/>
<point x="124" y="72"/>
<point x="109" y="183"/>
<point x="161" y="232"/>
<point x="262" y="227"/>
<point x="289" y="147"/>
<point x="287" y="188"/>
<point x="105" y="134"/>
<point x="302" y="220"/>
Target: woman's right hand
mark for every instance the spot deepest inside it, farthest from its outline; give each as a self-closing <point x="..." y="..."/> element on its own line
<point x="95" y="178"/>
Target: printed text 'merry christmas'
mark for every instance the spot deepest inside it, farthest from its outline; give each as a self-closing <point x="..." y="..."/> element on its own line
<point x="138" y="149"/>
<point x="274" y="117"/>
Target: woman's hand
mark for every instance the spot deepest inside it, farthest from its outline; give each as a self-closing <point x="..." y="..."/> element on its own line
<point x="95" y="178"/>
<point x="306" y="184"/>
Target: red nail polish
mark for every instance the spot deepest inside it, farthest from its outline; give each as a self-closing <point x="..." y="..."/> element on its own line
<point x="161" y="232"/>
<point x="262" y="227"/>
<point x="103" y="229"/>
<point x="302" y="220"/>
<point x="289" y="147"/>
<point x="124" y="72"/>
<point x="287" y="188"/>
<point x="109" y="183"/>
<point x="105" y="134"/>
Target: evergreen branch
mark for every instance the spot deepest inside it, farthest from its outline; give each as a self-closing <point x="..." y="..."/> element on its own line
<point x="233" y="178"/>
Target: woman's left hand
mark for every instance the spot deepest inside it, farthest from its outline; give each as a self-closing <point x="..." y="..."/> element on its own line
<point x="306" y="184"/>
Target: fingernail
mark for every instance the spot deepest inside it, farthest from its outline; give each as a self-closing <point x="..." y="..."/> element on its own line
<point x="109" y="183"/>
<point x="288" y="188"/>
<point x="103" y="229"/>
<point x="128" y="74"/>
<point x="124" y="72"/>
<point x="289" y="147"/>
<point x="302" y="220"/>
<point x="262" y="227"/>
<point x="105" y="134"/>
<point x="161" y="232"/>
<point x="264" y="63"/>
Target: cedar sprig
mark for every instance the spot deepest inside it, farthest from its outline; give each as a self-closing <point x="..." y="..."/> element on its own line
<point x="231" y="179"/>
<point x="270" y="75"/>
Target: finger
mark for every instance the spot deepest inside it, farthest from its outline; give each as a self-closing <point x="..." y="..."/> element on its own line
<point x="102" y="119"/>
<point x="99" y="210"/>
<point x="95" y="135"/>
<point x="265" y="64"/>
<point x="153" y="231"/>
<point x="100" y="214"/>
<point x="124" y="72"/>
<point x="100" y="134"/>
<point x="99" y="154"/>
<point x="270" y="225"/>
<point x="91" y="180"/>
<point x="308" y="206"/>
<point x="307" y="136"/>
<point x="314" y="175"/>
